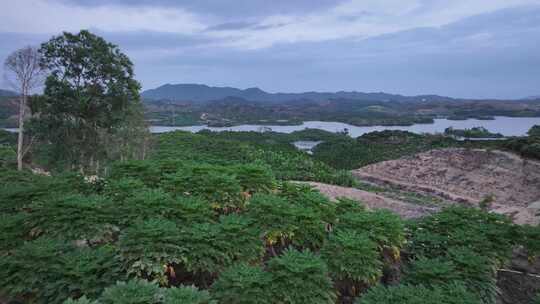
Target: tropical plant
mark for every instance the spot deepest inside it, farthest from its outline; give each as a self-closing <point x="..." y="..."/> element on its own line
<point x="243" y="284"/>
<point x="186" y="295"/>
<point x="408" y="294"/>
<point x="131" y="292"/>
<point x="300" y="278"/>
<point x="150" y="248"/>
<point x="58" y="271"/>
<point x="352" y="256"/>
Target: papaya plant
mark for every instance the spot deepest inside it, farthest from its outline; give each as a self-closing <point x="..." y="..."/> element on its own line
<point x="243" y="284"/>
<point x="300" y="277"/>
<point x="453" y="293"/>
<point x="131" y="292"/>
<point x="353" y="260"/>
<point x="149" y="248"/>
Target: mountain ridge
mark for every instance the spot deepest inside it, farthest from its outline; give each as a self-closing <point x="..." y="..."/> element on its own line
<point x="203" y="93"/>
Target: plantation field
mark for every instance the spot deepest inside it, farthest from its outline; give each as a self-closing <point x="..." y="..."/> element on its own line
<point x="213" y="218"/>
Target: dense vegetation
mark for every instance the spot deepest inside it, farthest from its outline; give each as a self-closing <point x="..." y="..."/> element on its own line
<point x="214" y="218"/>
<point x="476" y="132"/>
<point x="207" y="210"/>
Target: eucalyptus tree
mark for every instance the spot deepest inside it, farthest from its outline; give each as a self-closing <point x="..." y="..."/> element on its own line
<point x="24" y="73"/>
<point x="90" y="110"/>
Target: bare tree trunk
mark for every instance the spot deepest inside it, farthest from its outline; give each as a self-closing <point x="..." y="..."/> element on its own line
<point x="20" y="141"/>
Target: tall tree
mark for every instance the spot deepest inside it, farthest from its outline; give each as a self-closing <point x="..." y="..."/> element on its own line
<point x="90" y="110"/>
<point x="24" y="73"/>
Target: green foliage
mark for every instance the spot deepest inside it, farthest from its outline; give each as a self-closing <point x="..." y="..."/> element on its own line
<point x="382" y="226"/>
<point x="145" y="171"/>
<point x="284" y="223"/>
<point x="300" y="278"/>
<point x="72" y="217"/>
<point x="352" y="256"/>
<point x="530" y="239"/>
<point x="81" y="300"/>
<point x="243" y="284"/>
<point x="13" y="232"/>
<point x="486" y="234"/>
<point x="461" y="265"/>
<point x="219" y="187"/>
<point x="149" y="247"/>
<point x="131" y="292"/>
<point x="343" y="153"/>
<point x="210" y="248"/>
<point x="49" y="271"/>
<point x="8" y="157"/>
<point x="407" y="294"/>
<point x="186" y="295"/>
<point x="90" y="101"/>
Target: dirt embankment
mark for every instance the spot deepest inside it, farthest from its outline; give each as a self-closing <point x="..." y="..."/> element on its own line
<point x="466" y="176"/>
<point x="373" y="200"/>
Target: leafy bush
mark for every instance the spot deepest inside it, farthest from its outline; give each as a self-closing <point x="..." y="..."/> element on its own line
<point x="254" y="178"/>
<point x="530" y="239"/>
<point x="72" y="217"/>
<point x="487" y="234"/>
<point x="13" y="231"/>
<point x="186" y="295"/>
<point x="407" y="294"/>
<point x="49" y="271"/>
<point x="243" y="284"/>
<point x="382" y="226"/>
<point x="300" y="277"/>
<point x="148" y="248"/>
<point x="477" y="273"/>
<point x="284" y="223"/>
<point x="145" y="171"/>
<point x="213" y="183"/>
<point x="81" y="300"/>
<point x="150" y="203"/>
<point x="240" y="238"/>
<point x="352" y="256"/>
<point x="131" y="292"/>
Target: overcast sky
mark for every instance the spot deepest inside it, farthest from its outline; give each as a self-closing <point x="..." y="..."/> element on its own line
<point x="459" y="48"/>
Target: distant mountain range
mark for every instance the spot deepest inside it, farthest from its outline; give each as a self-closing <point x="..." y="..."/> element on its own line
<point x="204" y="93"/>
<point x="7" y="93"/>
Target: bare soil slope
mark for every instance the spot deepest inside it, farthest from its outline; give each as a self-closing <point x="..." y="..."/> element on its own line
<point x="373" y="200"/>
<point x="466" y="176"/>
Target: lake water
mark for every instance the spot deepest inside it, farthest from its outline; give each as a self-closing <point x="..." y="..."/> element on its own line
<point x="507" y="126"/>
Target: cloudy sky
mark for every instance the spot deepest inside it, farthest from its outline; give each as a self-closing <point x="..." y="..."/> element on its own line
<point x="460" y="48"/>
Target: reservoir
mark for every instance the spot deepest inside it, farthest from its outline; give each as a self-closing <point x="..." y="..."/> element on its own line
<point x="507" y="126"/>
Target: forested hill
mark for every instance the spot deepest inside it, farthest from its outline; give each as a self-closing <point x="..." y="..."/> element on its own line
<point x="201" y="93"/>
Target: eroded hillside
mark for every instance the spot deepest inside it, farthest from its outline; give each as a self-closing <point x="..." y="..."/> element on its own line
<point x="502" y="181"/>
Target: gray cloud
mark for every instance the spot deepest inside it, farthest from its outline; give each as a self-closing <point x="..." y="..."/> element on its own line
<point x="492" y="54"/>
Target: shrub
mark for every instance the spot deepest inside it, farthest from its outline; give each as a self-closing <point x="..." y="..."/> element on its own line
<point x="459" y="265"/>
<point x="240" y="238"/>
<point x="487" y="234"/>
<point x="407" y="294"/>
<point x="150" y="203"/>
<point x="254" y="178"/>
<point x="352" y="256"/>
<point x="72" y="217"/>
<point x="49" y="271"/>
<point x="283" y="223"/>
<point x="212" y="183"/>
<point x="12" y="230"/>
<point x="143" y="170"/>
<point x="382" y="226"/>
<point x="131" y="292"/>
<point x="81" y="300"/>
<point x="147" y="246"/>
<point x="300" y="277"/>
<point x="243" y="284"/>
<point x="530" y="239"/>
<point x="186" y="295"/>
